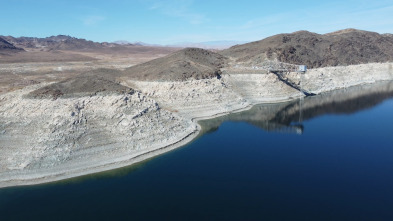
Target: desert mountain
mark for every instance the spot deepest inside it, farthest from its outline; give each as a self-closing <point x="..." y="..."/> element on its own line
<point x="181" y="65"/>
<point x="59" y="42"/>
<point x="66" y="48"/>
<point x="345" y="47"/>
<point x="6" y="46"/>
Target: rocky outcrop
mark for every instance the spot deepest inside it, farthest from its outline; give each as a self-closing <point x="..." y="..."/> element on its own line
<point x="193" y="98"/>
<point x="49" y="139"/>
<point x="331" y="78"/>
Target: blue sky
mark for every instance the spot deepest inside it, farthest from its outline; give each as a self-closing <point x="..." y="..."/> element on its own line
<point x="174" y="21"/>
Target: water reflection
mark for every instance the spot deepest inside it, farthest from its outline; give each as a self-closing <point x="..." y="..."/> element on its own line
<point x="288" y="117"/>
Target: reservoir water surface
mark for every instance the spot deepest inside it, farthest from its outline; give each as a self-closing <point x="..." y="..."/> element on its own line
<point x="326" y="157"/>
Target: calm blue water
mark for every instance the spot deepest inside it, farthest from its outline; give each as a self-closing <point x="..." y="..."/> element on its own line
<point x="339" y="168"/>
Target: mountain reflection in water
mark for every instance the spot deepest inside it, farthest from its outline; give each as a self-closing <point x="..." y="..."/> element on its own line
<point x="287" y="117"/>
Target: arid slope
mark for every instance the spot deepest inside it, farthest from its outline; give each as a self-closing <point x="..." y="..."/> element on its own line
<point x="345" y="47"/>
<point x="189" y="63"/>
<point x="87" y="84"/>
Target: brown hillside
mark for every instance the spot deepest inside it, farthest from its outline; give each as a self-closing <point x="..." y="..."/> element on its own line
<point x="86" y="84"/>
<point x="345" y="47"/>
<point x="8" y="47"/>
<point x="185" y="64"/>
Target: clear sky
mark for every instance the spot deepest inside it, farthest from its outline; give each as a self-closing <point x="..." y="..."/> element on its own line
<point x="173" y="21"/>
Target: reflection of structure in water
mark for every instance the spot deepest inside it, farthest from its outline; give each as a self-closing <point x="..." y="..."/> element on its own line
<point x="275" y="127"/>
<point x="288" y="117"/>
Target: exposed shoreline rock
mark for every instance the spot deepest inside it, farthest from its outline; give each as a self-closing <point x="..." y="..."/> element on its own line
<point x="44" y="140"/>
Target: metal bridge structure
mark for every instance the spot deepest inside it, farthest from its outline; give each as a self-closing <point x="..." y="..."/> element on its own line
<point x="282" y="69"/>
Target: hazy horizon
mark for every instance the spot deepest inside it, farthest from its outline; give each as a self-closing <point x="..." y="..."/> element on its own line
<point x="178" y="21"/>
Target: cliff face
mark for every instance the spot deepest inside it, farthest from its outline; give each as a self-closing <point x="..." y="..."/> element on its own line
<point x="69" y="135"/>
<point x="345" y="47"/>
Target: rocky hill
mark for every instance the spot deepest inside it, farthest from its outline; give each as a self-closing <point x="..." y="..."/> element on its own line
<point x="7" y="46"/>
<point x="345" y="47"/>
<point x="185" y="64"/>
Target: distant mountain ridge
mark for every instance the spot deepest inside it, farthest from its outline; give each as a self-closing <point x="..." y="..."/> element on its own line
<point x="122" y="42"/>
<point x="66" y="48"/>
<point x="59" y="42"/>
<point x="218" y="45"/>
<point x="5" y="45"/>
<point x="343" y="47"/>
<point x="66" y="42"/>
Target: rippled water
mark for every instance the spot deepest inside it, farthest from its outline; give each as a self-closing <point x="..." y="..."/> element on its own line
<point x="327" y="157"/>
